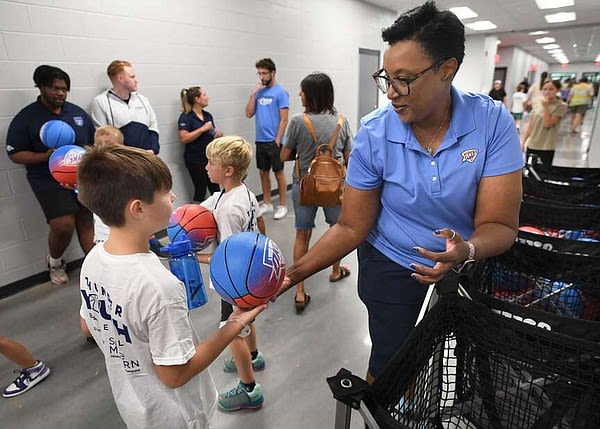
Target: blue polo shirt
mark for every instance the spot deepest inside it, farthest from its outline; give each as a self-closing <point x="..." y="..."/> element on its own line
<point x="420" y="192"/>
<point x="195" y="151"/>
<point x="24" y="134"/>
<point x="268" y="103"/>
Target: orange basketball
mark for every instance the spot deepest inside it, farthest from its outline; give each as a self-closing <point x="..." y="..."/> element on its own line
<point x="63" y="164"/>
<point x="193" y="222"/>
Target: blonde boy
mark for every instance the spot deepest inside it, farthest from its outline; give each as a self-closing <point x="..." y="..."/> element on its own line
<point x="236" y="210"/>
<point x="107" y="134"/>
<point x="134" y="307"/>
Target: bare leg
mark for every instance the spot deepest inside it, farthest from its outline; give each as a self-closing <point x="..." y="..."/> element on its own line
<point x="300" y="249"/>
<point x="84" y="224"/>
<point x="16" y="353"/>
<point x="575" y="121"/>
<point x="243" y="360"/>
<point x="251" y="339"/>
<point x="265" y="181"/>
<point x="282" y="187"/>
<point x="61" y="233"/>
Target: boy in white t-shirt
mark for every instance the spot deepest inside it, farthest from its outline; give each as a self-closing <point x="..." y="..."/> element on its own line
<point x="518" y="105"/>
<point x="236" y="210"/>
<point x="134" y="307"/>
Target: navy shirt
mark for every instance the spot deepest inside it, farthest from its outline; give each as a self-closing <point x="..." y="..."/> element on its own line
<point x="24" y="134"/>
<point x="195" y="151"/>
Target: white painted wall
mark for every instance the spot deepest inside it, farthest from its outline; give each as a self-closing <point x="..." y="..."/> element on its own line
<point x="175" y="44"/>
<point x="477" y="70"/>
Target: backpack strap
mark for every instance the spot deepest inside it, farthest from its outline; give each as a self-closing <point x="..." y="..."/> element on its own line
<point x="311" y="131"/>
<point x="336" y="132"/>
<point x="332" y="139"/>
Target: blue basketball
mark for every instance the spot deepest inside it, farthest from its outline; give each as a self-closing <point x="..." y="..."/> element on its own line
<point x="57" y="133"/>
<point x="247" y="269"/>
<point x="560" y="297"/>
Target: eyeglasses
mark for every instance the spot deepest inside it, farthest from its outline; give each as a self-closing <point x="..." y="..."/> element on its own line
<point x="400" y="84"/>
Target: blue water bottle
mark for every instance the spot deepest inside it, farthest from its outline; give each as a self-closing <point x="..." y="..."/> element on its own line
<point x="185" y="267"/>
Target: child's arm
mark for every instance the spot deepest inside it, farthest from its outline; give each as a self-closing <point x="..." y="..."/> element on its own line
<point x="204" y="258"/>
<point x="84" y="327"/>
<point x="260" y="223"/>
<point x="207" y="351"/>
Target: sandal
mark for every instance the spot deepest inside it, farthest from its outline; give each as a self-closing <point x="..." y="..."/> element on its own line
<point x="344" y="272"/>
<point x="301" y="305"/>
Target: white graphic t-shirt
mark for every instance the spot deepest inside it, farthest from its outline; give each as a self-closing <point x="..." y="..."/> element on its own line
<point x="137" y="312"/>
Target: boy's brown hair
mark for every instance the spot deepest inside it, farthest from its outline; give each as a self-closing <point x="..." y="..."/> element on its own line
<point x="231" y="151"/>
<point x="113" y="134"/>
<point x="110" y="176"/>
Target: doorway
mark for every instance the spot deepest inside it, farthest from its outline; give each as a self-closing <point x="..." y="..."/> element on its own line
<point x="368" y="96"/>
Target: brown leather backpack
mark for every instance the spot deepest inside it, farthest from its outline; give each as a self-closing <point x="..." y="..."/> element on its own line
<point x="323" y="184"/>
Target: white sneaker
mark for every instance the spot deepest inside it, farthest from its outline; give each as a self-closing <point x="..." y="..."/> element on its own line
<point x="58" y="275"/>
<point x="280" y="213"/>
<point x="265" y="208"/>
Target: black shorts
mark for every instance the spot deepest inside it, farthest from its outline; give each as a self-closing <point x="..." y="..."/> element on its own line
<point x="226" y="310"/>
<point x="58" y="202"/>
<point x="268" y="156"/>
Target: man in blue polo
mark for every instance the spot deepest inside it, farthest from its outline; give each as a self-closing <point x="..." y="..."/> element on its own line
<point x="270" y="103"/>
<point x="24" y="146"/>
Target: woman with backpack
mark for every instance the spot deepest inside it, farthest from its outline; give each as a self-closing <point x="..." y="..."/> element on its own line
<point x="316" y="92"/>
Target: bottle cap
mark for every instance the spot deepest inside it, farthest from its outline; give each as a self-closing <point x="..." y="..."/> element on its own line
<point x="178" y="248"/>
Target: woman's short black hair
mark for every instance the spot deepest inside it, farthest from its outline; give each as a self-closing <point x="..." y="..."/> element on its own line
<point x="439" y="32"/>
<point x="44" y="75"/>
<point x="318" y="93"/>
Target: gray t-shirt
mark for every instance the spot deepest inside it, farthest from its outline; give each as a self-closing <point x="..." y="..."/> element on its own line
<point x="298" y="138"/>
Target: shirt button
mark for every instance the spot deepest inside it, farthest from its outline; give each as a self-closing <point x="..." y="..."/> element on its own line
<point x="432" y="162"/>
<point x="434" y="178"/>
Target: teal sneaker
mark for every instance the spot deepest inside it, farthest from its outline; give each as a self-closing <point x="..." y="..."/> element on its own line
<point x="238" y="398"/>
<point x="258" y="364"/>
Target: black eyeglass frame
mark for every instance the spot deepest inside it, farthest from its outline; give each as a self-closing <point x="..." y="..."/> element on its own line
<point x="404" y="82"/>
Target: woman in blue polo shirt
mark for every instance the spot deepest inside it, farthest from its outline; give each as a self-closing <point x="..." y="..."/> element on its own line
<point x="196" y="131"/>
<point x="434" y="180"/>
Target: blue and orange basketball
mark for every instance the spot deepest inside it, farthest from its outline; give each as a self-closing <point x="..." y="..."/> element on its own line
<point x="247" y="269"/>
<point x="57" y="133"/>
<point x="63" y="164"/>
<point x="193" y="222"/>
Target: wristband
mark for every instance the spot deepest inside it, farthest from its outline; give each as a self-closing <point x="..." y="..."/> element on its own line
<point x="471" y="256"/>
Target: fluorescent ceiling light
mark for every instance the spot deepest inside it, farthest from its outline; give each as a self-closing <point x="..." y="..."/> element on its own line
<point x="565" y="61"/>
<point x="553" y="4"/>
<point x="463" y="12"/>
<point x="551" y="46"/>
<point x="560" y="17"/>
<point x="538" y="33"/>
<point x="555" y="51"/>
<point x="481" y="25"/>
<point x="546" y="40"/>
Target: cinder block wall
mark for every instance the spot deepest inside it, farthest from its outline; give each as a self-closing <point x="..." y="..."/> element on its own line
<point x="172" y="44"/>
